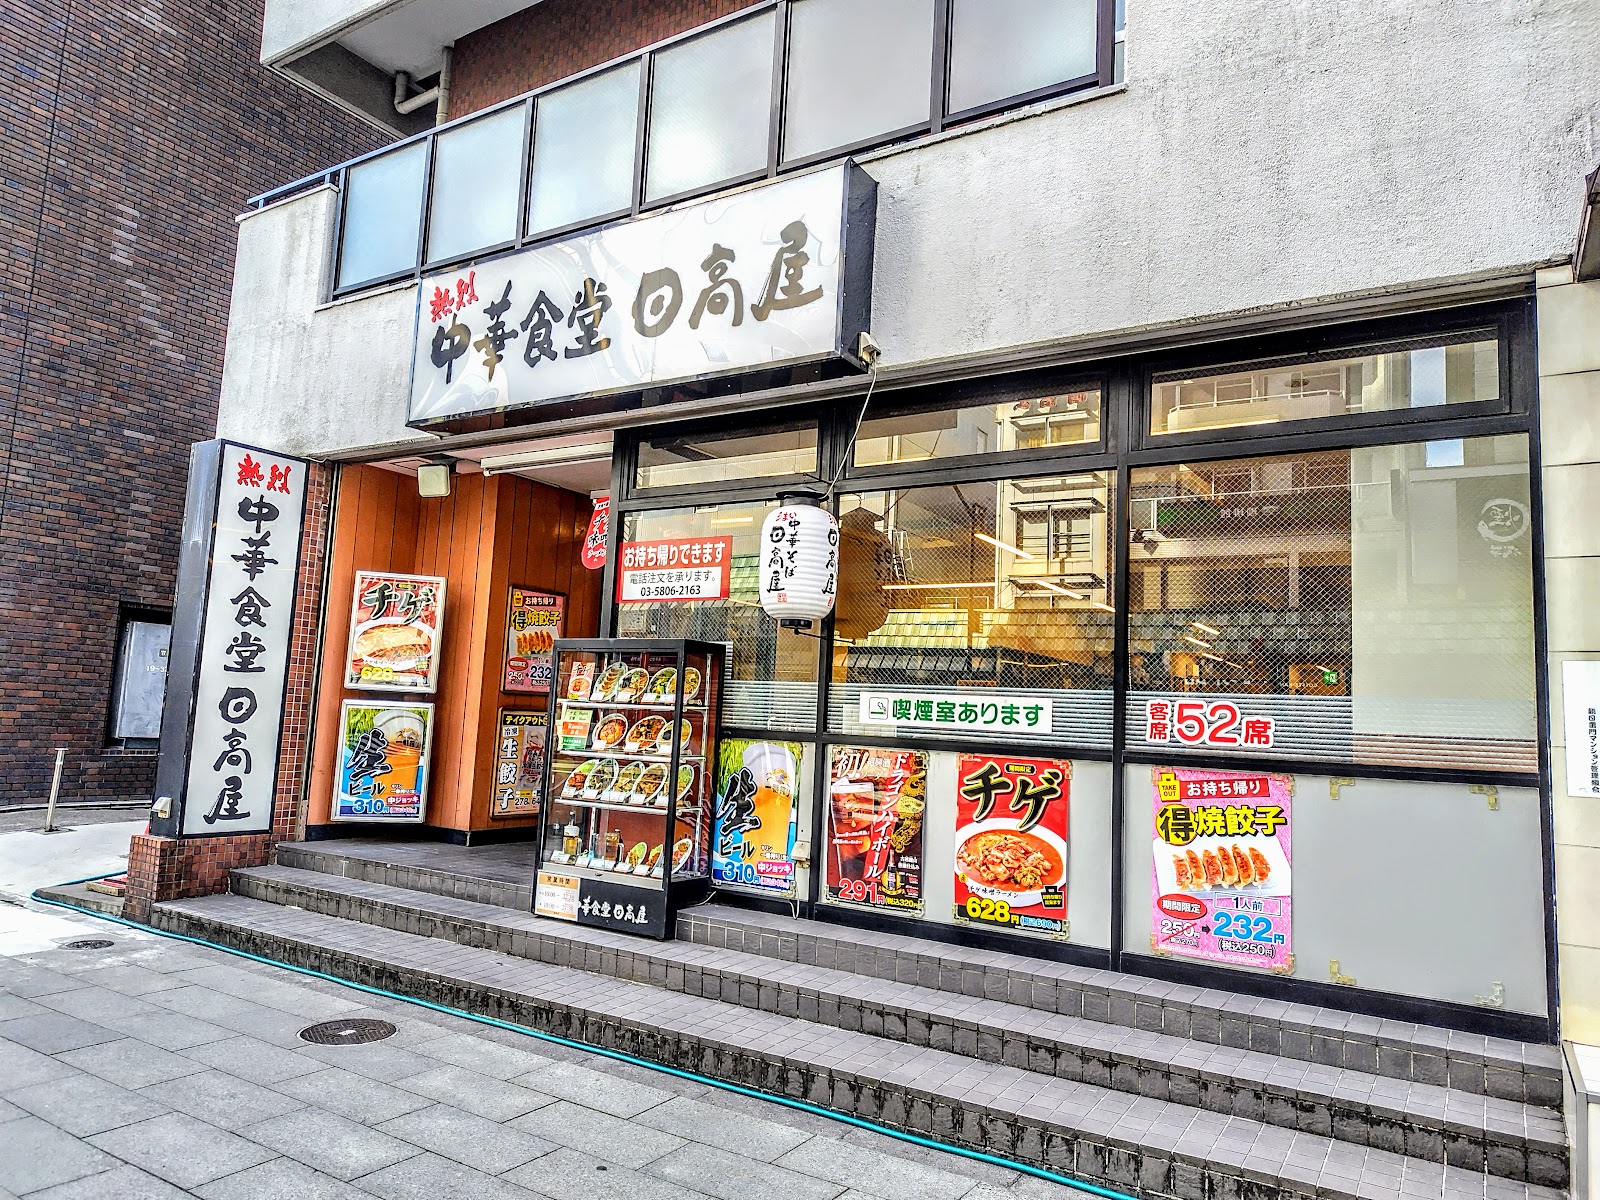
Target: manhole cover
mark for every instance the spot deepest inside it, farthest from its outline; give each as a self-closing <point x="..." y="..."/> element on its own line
<point x="90" y="944"/>
<point x="346" y="1033"/>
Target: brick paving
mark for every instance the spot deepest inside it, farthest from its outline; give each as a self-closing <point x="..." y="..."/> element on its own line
<point x="157" y="1068"/>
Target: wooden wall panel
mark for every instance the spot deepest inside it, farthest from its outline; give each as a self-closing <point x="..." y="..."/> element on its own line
<point x="489" y="535"/>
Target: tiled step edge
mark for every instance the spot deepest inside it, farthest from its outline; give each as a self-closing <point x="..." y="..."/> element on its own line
<point x="1506" y="1070"/>
<point x="1467" y="1062"/>
<point x="1154" y="1147"/>
<point x="330" y="861"/>
<point x="1506" y="1138"/>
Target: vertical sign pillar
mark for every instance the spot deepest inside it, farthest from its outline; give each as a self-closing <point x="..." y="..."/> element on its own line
<point x="233" y="618"/>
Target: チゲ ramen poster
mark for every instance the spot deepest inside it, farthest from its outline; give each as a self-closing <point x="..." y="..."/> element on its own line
<point x="1011" y="848"/>
<point x="1220" y="884"/>
<point x="876" y="803"/>
<point x="395" y="626"/>
<point x="383" y="761"/>
<point x="753" y="846"/>
<point x="532" y="626"/>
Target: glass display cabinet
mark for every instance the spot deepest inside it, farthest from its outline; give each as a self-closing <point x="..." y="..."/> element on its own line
<point x="628" y="782"/>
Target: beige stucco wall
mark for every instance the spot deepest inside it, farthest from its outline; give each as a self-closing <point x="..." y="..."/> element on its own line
<point x="1569" y="389"/>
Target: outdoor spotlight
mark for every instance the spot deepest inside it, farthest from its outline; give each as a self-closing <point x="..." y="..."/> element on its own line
<point x="433" y="477"/>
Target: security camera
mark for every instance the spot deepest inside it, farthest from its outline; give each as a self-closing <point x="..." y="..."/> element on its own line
<point x="867" y="348"/>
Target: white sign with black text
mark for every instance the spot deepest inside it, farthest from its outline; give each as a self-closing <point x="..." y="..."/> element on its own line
<point x="244" y="644"/>
<point x="747" y="281"/>
<point x="1580" y="702"/>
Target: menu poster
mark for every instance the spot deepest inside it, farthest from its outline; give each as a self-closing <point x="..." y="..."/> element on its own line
<point x="753" y="844"/>
<point x="519" y="764"/>
<point x="876" y="802"/>
<point x="533" y="623"/>
<point x="395" y="625"/>
<point x="383" y="761"/>
<point x="1220" y="885"/>
<point x="1011" y="842"/>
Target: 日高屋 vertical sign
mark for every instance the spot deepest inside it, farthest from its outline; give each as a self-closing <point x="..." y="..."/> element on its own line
<point x="235" y="611"/>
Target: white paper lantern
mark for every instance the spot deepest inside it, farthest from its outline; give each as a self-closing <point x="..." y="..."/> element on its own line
<point x="799" y="563"/>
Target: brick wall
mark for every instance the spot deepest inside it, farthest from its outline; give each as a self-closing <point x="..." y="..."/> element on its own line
<point x="133" y="132"/>
<point x="558" y="38"/>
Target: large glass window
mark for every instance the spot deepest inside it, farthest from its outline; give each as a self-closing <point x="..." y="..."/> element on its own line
<point x="1424" y="375"/>
<point x="710" y="108"/>
<point x="1005" y="48"/>
<point x="679" y="461"/>
<point x="856" y="71"/>
<point x="1057" y="419"/>
<point x="477" y="175"/>
<point x="993" y="595"/>
<point x="583" y="143"/>
<point x="1369" y="605"/>
<point x="382" y="212"/>
<point x="772" y="672"/>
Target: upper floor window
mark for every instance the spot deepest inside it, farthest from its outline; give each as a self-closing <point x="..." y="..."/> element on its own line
<point x="778" y="86"/>
<point x="1414" y="375"/>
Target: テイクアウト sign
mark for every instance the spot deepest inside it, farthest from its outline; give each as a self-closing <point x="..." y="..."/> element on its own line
<point x="774" y="276"/>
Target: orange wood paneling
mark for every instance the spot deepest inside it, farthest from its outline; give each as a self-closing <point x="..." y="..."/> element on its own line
<point x="489" y="535"/>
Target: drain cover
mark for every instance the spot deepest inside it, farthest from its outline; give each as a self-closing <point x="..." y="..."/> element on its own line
<point x="90" y="944"/>
<point x="347" y="1033"/>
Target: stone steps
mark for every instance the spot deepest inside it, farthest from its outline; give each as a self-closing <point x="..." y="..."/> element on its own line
<point x="1403" y="1050"/>
<point x="1152" y="1147"/>
<point x="1507" y="1138"/>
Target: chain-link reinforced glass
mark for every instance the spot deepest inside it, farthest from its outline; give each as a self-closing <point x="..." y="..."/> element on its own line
<point x="977" y="611"/>
<point x="1370" y="605"/>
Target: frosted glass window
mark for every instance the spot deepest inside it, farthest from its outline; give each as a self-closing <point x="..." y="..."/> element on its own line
<point x="477" y="174"/>
<point x="583" y="140"/>
<point x="1004" y="48"/>
<point x="856" y="71"/>
<point x="382" y="210"/>
<point x="710" y="107"/>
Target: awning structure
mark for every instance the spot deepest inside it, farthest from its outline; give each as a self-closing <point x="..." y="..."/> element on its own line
<point x="1588" y="259"/>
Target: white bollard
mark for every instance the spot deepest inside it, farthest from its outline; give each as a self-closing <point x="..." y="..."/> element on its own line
<point x="55" y="791"/>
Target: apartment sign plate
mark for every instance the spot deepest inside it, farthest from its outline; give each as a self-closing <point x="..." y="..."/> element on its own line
<point x="775" y="276"/>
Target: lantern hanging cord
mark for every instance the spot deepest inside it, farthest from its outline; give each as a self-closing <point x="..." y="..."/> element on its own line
<point x="850" y="447"/>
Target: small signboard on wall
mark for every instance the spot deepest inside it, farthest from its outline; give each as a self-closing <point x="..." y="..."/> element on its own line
<point x="384" y="751"/>
<point x="1220" y="888"/>
<point x="396" y="622"/>
<point x="518" y="764"/>
<point x="877" y="800"/>
<point x="1580" y="703"/>
<point x="675" y="570"/>
<point x="1011" y="851"/>
<point x="753" y="845"/>
<point x="533" y="623"/>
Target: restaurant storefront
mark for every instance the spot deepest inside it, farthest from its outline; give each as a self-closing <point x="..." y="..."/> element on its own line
<point x="1253" y="625"/>
<point x="1216" y="665"/>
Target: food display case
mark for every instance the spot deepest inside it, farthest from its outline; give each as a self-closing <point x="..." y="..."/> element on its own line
<point x="628" y="791"/>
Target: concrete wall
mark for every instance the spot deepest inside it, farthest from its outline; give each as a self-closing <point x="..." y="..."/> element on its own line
<point x="1261" y="158"/>
<point x="1569" y="387"/>
<point x="290" y="24"/>
<point x="299" y="376"/>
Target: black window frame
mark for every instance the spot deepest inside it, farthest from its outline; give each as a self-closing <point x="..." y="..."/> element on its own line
<point x="1126" y="405"/>
<point x="1496" y="323"/>
<point x="776" y="166"/>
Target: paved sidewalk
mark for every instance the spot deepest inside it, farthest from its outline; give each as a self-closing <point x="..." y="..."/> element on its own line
<point x="154" y="1068"/>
